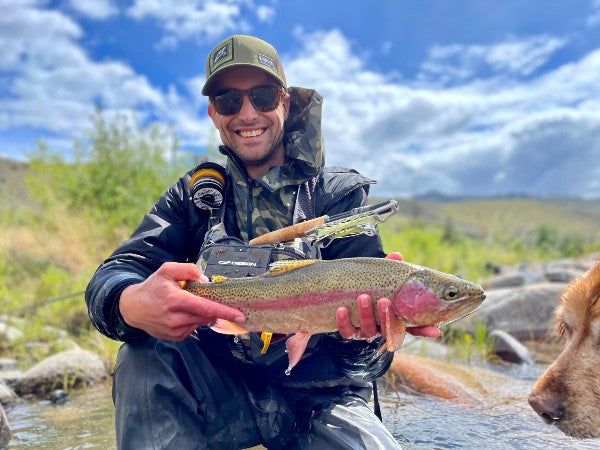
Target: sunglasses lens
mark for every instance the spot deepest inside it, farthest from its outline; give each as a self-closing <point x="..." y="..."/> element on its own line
<point x="228" y="103"/>
<point x="265" y="98"/>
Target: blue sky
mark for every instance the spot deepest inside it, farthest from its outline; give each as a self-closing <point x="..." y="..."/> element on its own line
<point x="472" y="97"/>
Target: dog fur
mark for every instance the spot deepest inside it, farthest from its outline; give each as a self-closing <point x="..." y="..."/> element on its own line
<point x="568" y="392"/>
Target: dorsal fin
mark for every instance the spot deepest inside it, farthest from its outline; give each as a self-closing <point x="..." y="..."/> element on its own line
<point x="218" y="278"/>
<point x="289" y="264"/>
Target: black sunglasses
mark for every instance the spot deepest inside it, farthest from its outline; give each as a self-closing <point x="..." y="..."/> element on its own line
<point x="263" y="98"/>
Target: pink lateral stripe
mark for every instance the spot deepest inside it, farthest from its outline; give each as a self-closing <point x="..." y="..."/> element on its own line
<point x="308" y="299"/>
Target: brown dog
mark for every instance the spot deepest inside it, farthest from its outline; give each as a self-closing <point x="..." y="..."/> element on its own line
<point x="568" y="393"/>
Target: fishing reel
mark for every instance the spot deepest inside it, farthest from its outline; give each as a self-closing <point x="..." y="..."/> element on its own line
<point x="207" y="185"/>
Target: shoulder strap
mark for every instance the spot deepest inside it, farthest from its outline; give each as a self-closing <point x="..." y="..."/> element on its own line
<point x="305" y="201"/>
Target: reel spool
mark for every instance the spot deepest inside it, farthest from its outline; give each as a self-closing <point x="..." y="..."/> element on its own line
<point x="207" y="185"/>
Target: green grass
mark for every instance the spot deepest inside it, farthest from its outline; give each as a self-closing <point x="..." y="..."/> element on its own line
<point x="445" y="248"/>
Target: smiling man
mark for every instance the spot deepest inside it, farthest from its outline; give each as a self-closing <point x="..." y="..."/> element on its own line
<point x="256" y="136"/>
<point x="210" y="390"/>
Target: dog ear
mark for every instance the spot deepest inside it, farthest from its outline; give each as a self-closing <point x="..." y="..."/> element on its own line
<point x="582" y="294"/>
<point x="594" y="280"/>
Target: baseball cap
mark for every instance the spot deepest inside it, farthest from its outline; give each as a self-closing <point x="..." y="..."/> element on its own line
<point x="242" y="51"/>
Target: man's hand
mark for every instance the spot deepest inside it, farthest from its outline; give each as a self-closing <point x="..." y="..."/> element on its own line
<point x="161" y="308"/>
<point x="368" y="326"/>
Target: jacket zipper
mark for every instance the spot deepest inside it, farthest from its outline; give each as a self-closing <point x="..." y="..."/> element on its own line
<point x="249" y="227"/>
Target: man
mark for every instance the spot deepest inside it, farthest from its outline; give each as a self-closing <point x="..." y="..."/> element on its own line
<point x="215" y="391"/>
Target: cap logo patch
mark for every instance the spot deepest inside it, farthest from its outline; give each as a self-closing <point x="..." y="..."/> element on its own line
<point x="221" y="55"/>
<point x="267" y="61"/>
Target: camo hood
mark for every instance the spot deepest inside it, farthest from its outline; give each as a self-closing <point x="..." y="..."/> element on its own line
<point x="270" y="199"/>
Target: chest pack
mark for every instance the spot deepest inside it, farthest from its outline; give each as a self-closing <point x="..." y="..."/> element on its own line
<point x="231" y="257"/>
<point x="228" y="256"/>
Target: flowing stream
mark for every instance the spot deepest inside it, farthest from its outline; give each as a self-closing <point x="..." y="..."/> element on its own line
<point x="506" y="421"/>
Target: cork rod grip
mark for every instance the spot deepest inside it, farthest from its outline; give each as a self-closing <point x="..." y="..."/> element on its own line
<point x="288" y="233"/>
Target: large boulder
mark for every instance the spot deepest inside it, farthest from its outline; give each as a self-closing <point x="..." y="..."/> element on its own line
<point x="526" y="312"/>
<point x="66" y="370"/>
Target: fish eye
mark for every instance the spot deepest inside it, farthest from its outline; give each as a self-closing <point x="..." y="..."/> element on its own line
<point x="450" y="293"/>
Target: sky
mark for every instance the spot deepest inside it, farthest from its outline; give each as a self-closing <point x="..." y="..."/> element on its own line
<point x="462" y="97"/>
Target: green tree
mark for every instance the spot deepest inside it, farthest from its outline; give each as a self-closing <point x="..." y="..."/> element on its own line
<point x="118" y="170"/>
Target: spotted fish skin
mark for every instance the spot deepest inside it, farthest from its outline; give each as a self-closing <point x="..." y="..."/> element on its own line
<point x="302" y="297"/>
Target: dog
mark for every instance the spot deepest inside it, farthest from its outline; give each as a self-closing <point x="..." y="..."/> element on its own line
<point x="567" y="394"/>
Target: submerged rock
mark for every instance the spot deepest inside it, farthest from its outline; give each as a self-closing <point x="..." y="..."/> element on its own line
<point x="421" y="375"/>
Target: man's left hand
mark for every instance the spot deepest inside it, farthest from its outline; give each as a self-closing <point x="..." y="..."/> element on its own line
<point x="368" y="325"/>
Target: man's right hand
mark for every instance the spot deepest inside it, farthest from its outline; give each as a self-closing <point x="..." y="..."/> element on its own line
<point x="161" y="308"/>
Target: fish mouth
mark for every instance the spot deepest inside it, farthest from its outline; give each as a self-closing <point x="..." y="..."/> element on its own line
<point x="457" y="310"/>
<point x="470" y="305"/>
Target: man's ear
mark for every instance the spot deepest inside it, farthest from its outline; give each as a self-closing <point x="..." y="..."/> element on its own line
<point x="211" y="112"/>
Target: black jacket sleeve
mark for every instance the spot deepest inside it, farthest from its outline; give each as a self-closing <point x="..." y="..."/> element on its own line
<point x="169" y="232"/>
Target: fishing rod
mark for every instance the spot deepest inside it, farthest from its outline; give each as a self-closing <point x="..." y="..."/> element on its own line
<point x="44" y="302"/>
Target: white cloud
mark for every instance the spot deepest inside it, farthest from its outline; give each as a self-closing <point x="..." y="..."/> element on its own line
<point x="204" y="20"/>
<point x="593" y="19"/>
<point x="501" y="134"/>
<point x="458" y="63"/>
<point x="265" y="13"/>
<point x="94" y="9"/>
<point x="54" y="85"/>
<point x="479" y="119"/>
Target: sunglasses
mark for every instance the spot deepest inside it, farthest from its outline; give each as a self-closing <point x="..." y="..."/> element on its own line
<point x="263" y="98"/>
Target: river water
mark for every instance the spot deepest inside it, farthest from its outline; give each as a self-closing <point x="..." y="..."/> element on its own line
<point x="418" y="422"/>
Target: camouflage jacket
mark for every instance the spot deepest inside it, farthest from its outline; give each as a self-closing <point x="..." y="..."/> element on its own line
<point x="268" y="200"/>
<point x="174" y="230"/>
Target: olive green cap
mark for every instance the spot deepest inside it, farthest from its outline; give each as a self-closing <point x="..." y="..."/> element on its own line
<point x="242" y="51"/>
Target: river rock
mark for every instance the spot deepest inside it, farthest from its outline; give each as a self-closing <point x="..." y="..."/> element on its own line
<point x="506" y="280"/>
<point x="465" y="385"/>
<point x="7" y="395"/>
<point x="58" y="397"/>
<point x="73" y="367"/>
<point x="9" y="333"/>
<point x="526" y="312"/>
<point x="10" y="377"/>
<point x="4" y="429"/>
<point x="8" y="364"/>
<point x="561" y="275"/>
<point x="510" y="349"/>
<point x="421" y="375"/>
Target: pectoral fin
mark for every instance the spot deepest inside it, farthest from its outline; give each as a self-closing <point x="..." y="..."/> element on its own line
<point x="395" y="331"/>
<point x="226" y="327"/>
<point x="295" y="347"/>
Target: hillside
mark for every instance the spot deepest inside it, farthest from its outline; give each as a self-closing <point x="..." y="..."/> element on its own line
<point x="474" y="216"/>
<point x="509" y="216"/>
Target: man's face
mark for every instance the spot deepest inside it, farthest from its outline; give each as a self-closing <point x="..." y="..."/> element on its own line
<point x="255" y="137"/>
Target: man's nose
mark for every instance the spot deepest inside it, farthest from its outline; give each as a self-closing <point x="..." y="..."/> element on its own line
<point x="247" y="112"/>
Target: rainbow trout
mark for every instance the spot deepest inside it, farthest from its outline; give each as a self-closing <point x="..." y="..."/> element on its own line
<point x="302" y="296"/>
